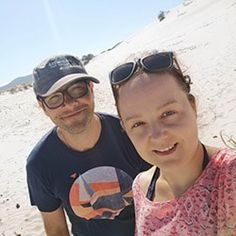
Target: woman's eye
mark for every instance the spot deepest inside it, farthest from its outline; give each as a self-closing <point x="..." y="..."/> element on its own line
<point x="167" y="114"/>
<point x="137" y="124"/>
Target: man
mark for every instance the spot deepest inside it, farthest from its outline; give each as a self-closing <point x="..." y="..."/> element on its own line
<point x="86" y="163"/>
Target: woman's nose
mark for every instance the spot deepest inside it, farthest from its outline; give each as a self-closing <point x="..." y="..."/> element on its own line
<point x="158" y="131"/>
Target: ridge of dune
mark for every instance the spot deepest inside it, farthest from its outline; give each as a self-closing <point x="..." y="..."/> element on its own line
<point x="203" y="34"/>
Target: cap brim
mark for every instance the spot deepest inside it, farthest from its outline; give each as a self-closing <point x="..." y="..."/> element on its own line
<point x="67" y="79"/>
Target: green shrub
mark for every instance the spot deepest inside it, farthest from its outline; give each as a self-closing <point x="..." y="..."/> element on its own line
<point x="161" y="16"/>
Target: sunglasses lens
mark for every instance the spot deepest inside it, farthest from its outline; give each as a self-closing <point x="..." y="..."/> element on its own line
<point x="153" y="63"/>
<point x="157" y="62"/>
<point x="122" y="73"/>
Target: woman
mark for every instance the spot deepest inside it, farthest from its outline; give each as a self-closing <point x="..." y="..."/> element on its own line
<point x="191" y="188"/>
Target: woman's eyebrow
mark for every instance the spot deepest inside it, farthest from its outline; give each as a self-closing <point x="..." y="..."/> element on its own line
<point x="162" y="106"/>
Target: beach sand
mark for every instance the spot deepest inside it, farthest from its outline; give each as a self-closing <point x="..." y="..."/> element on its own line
<point x="203" y="34"/>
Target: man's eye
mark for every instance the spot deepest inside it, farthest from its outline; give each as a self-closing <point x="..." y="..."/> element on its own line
<point x="54" y="98"/>
<point x="76" y="90"/>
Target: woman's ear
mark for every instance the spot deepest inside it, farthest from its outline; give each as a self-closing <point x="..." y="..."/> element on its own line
<point x="122" y="125"/>
<point x="192" y="101"/>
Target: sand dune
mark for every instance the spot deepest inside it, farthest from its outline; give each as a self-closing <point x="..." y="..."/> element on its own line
<point x="202" y="32"/>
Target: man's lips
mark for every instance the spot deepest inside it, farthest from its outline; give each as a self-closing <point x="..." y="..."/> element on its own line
<point x="73" y="113"/>
<point x="167" y="150"/>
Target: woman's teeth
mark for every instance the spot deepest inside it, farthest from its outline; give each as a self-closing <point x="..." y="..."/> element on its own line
<point x="166" y="149"/>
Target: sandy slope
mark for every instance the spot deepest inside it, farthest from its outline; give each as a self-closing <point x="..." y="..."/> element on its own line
<point x="202" y="32"/>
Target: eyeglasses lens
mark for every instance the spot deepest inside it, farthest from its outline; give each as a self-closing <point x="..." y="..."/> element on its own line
<point x="54" y="100"/>
<point x="75" y="91"/>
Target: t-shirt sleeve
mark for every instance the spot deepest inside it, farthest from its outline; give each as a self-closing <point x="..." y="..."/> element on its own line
<point x="40" y="192"/>
<point x="228" y="195"/>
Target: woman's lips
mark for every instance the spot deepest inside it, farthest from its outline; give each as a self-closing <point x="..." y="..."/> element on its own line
<point x="166" y="151"/>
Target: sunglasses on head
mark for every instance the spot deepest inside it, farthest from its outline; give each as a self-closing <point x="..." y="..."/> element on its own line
<point x="74" y="91"/>
<point x="152" y="63"/>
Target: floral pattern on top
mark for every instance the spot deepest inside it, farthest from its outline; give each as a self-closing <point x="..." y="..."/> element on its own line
<point x="207" y="208"/>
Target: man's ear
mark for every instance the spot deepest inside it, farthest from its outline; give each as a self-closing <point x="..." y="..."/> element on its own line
<point x="91" y="84"/>
<point x="41" y="105"/>
<point x="91" y="87"/>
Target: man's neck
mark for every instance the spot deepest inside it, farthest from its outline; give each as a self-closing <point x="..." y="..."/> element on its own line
<point x="84" y="140"/>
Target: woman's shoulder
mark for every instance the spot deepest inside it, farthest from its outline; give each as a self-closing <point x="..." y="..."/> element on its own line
<point x="224" y="161"/>
<point x="143" y="179"/>
<point x="221" y="154"/>
<point x="225" y="155"/>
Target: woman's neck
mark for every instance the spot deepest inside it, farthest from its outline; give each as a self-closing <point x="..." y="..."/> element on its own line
<point x="174" y="183"/>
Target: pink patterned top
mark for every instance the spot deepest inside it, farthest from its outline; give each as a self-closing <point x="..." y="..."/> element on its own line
<point x="206" y="208"/>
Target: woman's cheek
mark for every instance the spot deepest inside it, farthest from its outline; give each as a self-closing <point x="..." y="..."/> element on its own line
<point x="138" y="139"/>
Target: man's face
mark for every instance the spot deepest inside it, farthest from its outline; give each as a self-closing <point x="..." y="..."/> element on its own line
<point x="73" y="115"/>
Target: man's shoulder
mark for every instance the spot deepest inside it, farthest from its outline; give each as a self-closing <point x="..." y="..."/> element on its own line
<point x="111" y="125"/>
<point x="107" y="116"/>
<point x="42" y="146"/>
<point x="110" y="119"/>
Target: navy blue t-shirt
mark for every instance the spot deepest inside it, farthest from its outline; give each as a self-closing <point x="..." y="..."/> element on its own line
<point x="93" y="186"/>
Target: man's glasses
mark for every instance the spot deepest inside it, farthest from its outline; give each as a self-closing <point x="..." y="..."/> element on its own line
<point x="152" y="63"/>
<point x="74" y="91"/>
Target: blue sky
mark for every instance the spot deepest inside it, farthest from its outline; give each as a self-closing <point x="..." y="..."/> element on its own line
<point x="32" y="30"/>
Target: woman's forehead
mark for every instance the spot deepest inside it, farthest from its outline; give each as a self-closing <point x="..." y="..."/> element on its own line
<point x="143" y="80"/>
<point x="149" y="88"/>
<point x="137" y="55"/>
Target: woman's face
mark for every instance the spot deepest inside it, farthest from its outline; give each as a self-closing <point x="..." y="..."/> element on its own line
<point x="159" y="119"/>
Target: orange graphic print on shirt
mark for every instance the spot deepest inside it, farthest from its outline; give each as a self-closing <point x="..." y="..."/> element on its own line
<point x="101" y="193"/>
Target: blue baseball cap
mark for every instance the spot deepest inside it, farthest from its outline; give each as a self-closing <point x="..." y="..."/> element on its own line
<point x="54" y="72"/>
